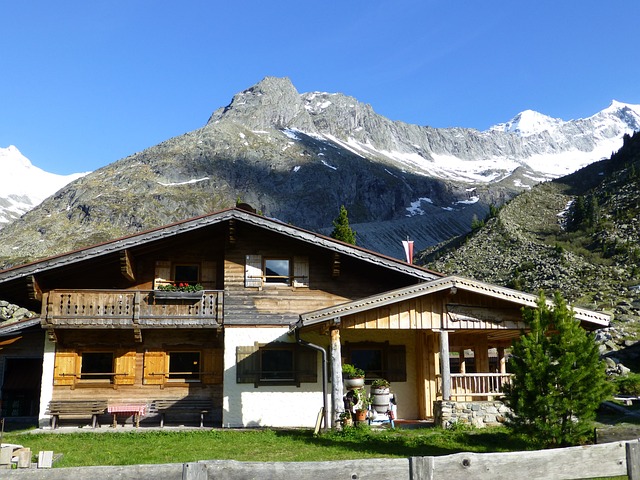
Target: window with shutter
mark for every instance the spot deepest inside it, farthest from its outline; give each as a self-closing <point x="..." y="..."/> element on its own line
<point x="163" y="273"/>
<point x="66" y="367"/>
<point x="277" y="363"/>
<point x="155" y="367"/>
<point x="253" y="271"/>
<point x="300" y="272"/>
<point x="247" y="364"/>
<point x="378" y="360"/>
<point x="125" y="371"/>
<point x="213" y="366"/>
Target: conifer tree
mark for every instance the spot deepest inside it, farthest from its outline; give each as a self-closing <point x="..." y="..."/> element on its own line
<point x="341" y="229"/>
<point x="559" y="380"/>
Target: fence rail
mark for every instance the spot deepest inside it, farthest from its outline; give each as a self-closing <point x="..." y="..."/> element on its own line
<point x="605" y="460"/>
<point x="477" y="384"/>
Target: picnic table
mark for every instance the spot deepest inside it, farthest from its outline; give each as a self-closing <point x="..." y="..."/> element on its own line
<point x="135" y="409"/>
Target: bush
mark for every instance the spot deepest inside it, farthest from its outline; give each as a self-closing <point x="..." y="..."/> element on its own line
<point x="628" y="384"/>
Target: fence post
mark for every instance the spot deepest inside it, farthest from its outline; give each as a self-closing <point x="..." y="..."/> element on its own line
<point x="420" y="468"/>
<point x="633" y="460"/>
<point x="194" y="471"/>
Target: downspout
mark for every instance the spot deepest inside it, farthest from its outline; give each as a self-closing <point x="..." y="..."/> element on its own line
<point x="306" y="344"/>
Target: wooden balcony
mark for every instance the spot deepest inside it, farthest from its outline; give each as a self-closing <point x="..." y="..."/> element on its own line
<point x="132" y="309"/>
<point x="477" y="386"/>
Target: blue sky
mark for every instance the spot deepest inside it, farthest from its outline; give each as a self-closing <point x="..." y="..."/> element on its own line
<point x="85" y="83"/>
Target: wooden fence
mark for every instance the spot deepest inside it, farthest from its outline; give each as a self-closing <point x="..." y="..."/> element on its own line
<point x="605" y="460"/>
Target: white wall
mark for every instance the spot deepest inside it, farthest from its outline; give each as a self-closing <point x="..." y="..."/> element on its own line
<point x="46" y="387"/>
<point x="244" y="405"/>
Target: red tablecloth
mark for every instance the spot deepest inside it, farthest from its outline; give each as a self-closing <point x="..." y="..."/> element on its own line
<point x="133" y="408"/>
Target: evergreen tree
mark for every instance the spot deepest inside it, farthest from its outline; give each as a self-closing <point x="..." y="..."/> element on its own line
<point x="559" y="380"/>
<point x="341" y="229"/>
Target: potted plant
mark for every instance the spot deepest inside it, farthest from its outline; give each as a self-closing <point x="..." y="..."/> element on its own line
<point x="178" y="290"/>
<point x="362" y="407"/>
<point x="352" y="376"/>
<point x="380" y="395"/>
<point x="346" y="419"/>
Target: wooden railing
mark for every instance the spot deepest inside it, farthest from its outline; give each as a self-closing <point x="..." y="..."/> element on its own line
<point x="130" y="308"/>
<point x="477" y="384"/>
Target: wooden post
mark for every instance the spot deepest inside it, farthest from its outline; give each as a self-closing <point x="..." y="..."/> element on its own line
<point x="502" y="360"/>
<point x="336" y="376"/>
<point x="463" y="361"/>
<point x="633" y="460"/>
<point x="445" y="369"/>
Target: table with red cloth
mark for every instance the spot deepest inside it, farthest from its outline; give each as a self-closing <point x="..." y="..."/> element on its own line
<point x="135" y="409"/>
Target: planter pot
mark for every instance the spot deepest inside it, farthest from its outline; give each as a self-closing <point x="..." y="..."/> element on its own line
<point x="353" y="383"/>
<point x="169" y="295"/>
<point x="361" y="415"/>
<point x="380" y="398"/>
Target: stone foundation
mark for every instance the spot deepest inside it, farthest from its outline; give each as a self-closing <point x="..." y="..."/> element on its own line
<point x="479" y="414"/>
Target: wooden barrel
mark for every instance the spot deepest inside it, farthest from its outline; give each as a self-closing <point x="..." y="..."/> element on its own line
<point x="380" y="398"/>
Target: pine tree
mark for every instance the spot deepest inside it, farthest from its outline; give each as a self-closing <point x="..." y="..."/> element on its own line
<point x="559" y="380"/>
<point x="341" y="229"/>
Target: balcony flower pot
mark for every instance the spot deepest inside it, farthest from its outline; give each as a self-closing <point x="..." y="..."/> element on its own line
<point x="380" y="396"/>
<point x="176" y="295"/>
<point x="352" y="377"/>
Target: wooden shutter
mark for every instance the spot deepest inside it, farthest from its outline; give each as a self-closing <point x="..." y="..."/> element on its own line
<point x="213" y="366"/>
<point x="396" y="363"/>
<point x="300" y="271"/>
<point x="247" y="364"/>
<point x="66" y="367"/>
<point x="253" y="271"/>
<point x="306" y="365"/>
<point x="155" y="367"/>
<point x="125" y="368"/>
<point x="163" y="273"/>
<point x="208" y="275"/>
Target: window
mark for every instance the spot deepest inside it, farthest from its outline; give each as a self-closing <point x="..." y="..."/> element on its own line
<point x="276" y="363"/>
<point x="186" y="274"/>
<point x="184" y="366"/>
<point x="283" y="271"/>
<point x="277" y="271"/>
<point x="378" y="360"/>
<point x="97" y="366"/>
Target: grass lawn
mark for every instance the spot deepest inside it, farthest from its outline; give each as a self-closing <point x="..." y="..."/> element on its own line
<point x="137" y="447"/>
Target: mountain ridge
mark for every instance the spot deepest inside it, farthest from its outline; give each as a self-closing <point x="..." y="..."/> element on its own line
<point x="298" y="157"/>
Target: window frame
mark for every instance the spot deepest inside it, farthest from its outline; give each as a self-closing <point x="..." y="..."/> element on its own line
<point x="277" y="280"/>
<point x="193" y="377"/>
<point x="393" y="358"/>
<point x="249" y="365"/>
<point x="98" y="377"/>
<point x="178" y="265"/>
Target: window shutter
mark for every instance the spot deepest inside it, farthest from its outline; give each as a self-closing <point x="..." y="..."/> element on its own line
<point x="247" y="364"/>
<point x="253" y="271"/>
<point x="125" y="367"/>
<point x="208" y="275"/>
<point x="212" y="366"/>
<point x="163" y="273"/>
<point x="396" y="363"/>
<point x="306" y="365"/>
<point x="300" y="271"/>
<point x="155" y="367"/>
<point x="66" y="367"/>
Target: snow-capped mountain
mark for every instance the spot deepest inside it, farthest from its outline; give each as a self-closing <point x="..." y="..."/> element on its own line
<point x="23" y="186"/>
<point x="299" y="157"/>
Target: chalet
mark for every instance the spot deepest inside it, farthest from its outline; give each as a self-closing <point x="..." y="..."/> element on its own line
<point x="262" y="342"/>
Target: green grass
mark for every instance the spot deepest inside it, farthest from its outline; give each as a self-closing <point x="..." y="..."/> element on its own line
<point x="138" y="447"/>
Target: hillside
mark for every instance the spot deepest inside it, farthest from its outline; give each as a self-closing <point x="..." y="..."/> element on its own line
<point x="299" y="157"/>
<point x="579" y="234"/>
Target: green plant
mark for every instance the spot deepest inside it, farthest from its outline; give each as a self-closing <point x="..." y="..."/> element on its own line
<point x="181" y="287"/>
<point x="351" y="371"/>
<point x="559" y="380"/>
<point x="628" y="384"/>
<point x="380" y="383"/>
<point x="341" y="229"/>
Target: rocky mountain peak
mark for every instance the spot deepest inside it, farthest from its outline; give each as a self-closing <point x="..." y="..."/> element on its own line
<point x="271" y="103"/>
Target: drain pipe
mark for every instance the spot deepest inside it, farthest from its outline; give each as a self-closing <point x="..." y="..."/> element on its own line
<point x="306" y="344"/>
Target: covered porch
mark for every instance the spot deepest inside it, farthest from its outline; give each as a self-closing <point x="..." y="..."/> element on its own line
<point x="441" y="341"/>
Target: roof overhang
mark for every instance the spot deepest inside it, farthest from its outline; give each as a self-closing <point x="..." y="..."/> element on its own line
<point x="589" y="318"/>
<point x="160" y="233"/>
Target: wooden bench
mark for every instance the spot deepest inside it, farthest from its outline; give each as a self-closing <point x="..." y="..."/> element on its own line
<point x="181" y="405"/>
<point x="86" y="408"/>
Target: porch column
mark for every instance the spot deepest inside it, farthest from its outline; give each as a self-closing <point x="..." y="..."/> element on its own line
<point x="502" y="360"/>
<point x="46" y="384"/>
<point x="463" y="361"/>
<point x="336" y="376"/>
<point x="445" y="370"/>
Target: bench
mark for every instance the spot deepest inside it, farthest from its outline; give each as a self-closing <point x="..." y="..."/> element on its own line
<point x="201" y="406"/>
<point x="85" y="408"/>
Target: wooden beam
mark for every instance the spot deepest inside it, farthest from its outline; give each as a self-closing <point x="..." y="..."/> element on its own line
<point x="445" y="369"/>
<point x="35" y="292"/>
<point x="137" y="335"/>
<point x="335" y="265"/>
<point x="232" y="232"/>
<point x="127" y="265"/>
<point x="51" y="333"/>
<point x="336" y="376"/>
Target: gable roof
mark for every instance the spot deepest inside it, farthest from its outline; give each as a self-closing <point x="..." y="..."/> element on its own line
<point x="210" y="219"/>
<point x="591" y="318"/>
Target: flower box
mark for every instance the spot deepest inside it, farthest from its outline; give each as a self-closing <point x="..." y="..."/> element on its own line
<point x="175" y="295"/>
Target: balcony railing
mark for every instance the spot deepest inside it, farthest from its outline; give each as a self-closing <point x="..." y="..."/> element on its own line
<point x="131" y="308"/>
<point x="486" y="385"/>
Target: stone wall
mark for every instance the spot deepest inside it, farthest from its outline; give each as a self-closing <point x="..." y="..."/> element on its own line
<point x="479" y="414"/>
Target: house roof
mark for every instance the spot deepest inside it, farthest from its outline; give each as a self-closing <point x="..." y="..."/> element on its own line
<point x="591" y="318"/>
<point x="11" y="328"/>
<point x="211" y="219"/>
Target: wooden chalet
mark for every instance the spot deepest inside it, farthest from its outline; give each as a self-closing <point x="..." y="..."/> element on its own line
<point x="252" y="348"/>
